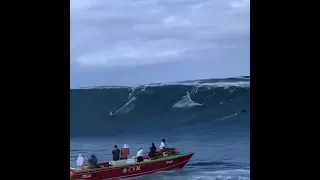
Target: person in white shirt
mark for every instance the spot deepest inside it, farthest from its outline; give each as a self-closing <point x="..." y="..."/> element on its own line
<point x="80" y="160"/>
<point x="140" y="155"/>
<point x="163" y="145"/>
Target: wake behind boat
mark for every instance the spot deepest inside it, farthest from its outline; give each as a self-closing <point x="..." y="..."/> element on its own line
<point x="165" y="160"/>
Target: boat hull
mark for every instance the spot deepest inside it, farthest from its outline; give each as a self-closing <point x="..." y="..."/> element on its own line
<point x="137" y="169"/>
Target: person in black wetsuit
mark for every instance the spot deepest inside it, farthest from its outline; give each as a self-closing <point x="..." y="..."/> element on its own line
<point x="116" y="153"/>
<point x="152" y="152"/>
<point x="92" y="161"/>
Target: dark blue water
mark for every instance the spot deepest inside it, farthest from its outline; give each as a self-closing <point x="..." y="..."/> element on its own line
<point x="208" y="117"/>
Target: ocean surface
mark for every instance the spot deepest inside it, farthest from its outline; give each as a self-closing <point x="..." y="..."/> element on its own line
<point x="208" y="117"/>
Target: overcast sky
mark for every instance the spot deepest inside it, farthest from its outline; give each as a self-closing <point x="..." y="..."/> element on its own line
<point x="123" y="42"/>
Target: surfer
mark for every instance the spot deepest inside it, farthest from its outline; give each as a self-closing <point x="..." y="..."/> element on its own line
<point x="111" y="113"/>
<point x="211" y="94"/>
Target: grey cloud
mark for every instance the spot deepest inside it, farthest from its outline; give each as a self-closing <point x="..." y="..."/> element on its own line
<point x="123" y="33"/>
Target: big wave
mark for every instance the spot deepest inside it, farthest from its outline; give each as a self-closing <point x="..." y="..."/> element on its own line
<point x="201" y="105"/>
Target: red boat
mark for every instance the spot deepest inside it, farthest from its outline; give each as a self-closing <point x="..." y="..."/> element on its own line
<point x="163" y="161"/>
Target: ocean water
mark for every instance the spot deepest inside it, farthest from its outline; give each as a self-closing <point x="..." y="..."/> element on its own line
<point x="208" y="117"/>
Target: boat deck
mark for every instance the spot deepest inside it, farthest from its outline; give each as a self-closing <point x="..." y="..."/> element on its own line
<point x="155" y="160"/>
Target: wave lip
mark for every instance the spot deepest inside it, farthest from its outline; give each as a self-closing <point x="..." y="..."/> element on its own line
<point x="243" y="81"/>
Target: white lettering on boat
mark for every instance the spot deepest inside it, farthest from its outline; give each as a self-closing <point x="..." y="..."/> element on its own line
<point x="124" y="170"/>
<point x="131" y="169"/>
<point x="169" y="162"/>
<point x="86" y="176"/>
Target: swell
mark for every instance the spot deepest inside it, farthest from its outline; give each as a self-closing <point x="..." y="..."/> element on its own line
<point x="203" y="105"/>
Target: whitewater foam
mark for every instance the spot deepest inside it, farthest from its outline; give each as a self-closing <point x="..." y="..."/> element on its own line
<point x="196" y="83"/>
<point x="186" y="101"/>
<point x="127" y="107"/>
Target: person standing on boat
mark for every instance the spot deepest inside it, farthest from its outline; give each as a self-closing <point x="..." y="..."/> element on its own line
<point x="140" y="155"/>
<point x="92" y="161"/>
<point x="125" y="151"/>
<point x="163" y="145"/>
<point x="152" y="152"/>
<point x="80" y="160"/>
<point x="116" y="153"/>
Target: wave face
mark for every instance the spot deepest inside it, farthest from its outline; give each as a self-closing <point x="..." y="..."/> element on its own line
<point x="189" y="107"/>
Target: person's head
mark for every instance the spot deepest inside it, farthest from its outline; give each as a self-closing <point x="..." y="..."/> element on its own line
<point x="163" y="140"/>
<point x="115" y="146"/>
<point x="92" y="155"/>
<point x="125" y="146"/>
<point x="152" y="145"/>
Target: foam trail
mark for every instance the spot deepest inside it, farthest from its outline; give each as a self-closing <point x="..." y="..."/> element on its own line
<point x="124" y="106"/>
<point x="194" y="90"/>
<point x="227" y="117"/>
<point x="133" y="90"/>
